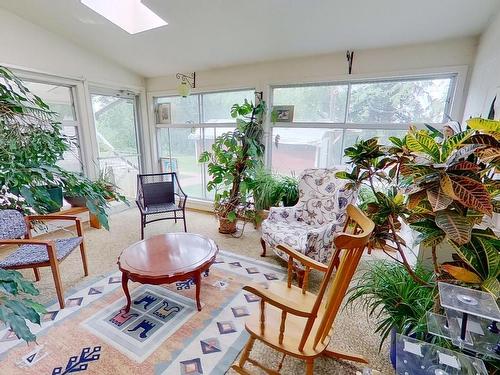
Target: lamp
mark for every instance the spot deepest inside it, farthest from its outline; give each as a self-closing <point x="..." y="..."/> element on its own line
<point x="188" y="82"/>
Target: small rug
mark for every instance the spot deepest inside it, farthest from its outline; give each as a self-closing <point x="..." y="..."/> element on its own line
<point x="162" y="334"/>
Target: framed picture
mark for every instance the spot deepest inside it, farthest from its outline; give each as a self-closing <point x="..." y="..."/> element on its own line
<point x="283" y="113"/>
<point x="163" y="112"/>
<point x="168" y="165"/>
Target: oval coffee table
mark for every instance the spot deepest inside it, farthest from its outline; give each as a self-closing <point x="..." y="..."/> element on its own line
<point x="165" y="259"/>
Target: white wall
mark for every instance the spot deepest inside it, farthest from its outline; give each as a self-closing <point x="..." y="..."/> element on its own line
<point x="485" y="81"/>
<point x="410" y="59"/>
<point x="25" y="45"/>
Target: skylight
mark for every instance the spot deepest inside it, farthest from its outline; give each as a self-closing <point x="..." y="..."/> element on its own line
<point x="131" y="15"/>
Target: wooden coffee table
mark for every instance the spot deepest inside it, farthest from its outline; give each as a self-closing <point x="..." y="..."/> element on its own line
<point x="165" y="259"/>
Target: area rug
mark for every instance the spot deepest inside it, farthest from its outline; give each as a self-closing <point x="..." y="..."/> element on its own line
<point x="162" y="334"/>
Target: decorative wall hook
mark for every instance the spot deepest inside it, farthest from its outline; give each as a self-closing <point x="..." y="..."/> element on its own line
<point x="350" y="58"/>
<point x="189" y="79"/>
<point x="188" y="82"/>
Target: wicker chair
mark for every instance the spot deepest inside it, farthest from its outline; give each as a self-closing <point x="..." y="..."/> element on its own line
<point x="160" y="193"/>
<point x="32" y="253"/>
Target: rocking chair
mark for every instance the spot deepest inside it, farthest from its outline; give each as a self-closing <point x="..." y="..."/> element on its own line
<point x="306" y="319"/>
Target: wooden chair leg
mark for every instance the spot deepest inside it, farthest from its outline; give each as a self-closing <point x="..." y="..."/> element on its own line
<point x="37" y="274"/>
<point x="244" y="356"/>
<point x="142" y="226"/>
<point x="263" y="244"/>
<point x="175" y="216"/>
<point x="184" y="219"/>
<point x="84" y="259"/>
<point x="345" y="356"/>
<point x="309" y="366"/>
<point x="57" y="281"/>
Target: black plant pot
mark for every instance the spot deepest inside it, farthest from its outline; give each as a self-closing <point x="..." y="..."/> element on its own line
<point x="76" y="201"/>
<point x="56" y="196"/>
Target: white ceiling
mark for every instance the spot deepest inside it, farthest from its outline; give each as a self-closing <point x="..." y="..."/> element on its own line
<point x="204" y="34"/>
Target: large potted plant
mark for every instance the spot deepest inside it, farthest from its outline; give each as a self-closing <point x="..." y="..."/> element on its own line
<point x="231" y="164"/>
<point x="443" y="185"/>
<point x="31" y="144"/>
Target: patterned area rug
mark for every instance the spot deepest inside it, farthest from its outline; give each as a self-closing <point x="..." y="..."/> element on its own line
<point x="162" y="334"/>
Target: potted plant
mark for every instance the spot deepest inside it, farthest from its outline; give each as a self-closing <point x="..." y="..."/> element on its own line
<point x="394" y="300"/>
<point x="442" y="184"/>
<point x="231" y="164"/>
<point x="31" y="144"/>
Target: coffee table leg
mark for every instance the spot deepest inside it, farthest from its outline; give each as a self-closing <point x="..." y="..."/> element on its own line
<point x="125" y="290"/>
<point x="197" y="280"/>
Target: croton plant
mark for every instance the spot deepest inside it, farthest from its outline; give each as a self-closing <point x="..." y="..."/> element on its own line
<point x="442" y="184"/>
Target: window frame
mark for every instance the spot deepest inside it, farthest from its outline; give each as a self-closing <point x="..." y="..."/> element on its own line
<point x="200" y="124"/>
<point x="345" y="126"/>
<point x="76" y="123"/>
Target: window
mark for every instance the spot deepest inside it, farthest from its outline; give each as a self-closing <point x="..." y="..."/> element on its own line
<point x="196" y="121"/>
<point x="330" y="117"/>
<point x="118" y="147"/>
<point x="60" y="100"/>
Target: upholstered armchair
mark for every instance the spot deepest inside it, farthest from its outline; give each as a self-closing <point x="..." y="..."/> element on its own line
<point x="310" y="225"/>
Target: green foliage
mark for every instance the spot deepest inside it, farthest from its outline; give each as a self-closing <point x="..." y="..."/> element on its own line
<point x="394" y="299"/>
<point x="233" y="160"/>
<point x="15" y="311"/>
<point x="31" y="143"/>
<point x="270" y="189"/>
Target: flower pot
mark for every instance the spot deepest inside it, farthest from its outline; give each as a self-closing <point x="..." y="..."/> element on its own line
<point x="392" y="352"/>
<point x="76" y="201"/>
<point x="226" y="226"/>
<point x="56" y="196"/>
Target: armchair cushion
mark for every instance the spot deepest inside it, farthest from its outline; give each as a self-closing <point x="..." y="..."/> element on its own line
<point x="33" y="254"/>
<point x="12" y="225"/>
<point x="310" y="226"/>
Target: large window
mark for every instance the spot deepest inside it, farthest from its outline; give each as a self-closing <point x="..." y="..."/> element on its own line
<point x="60" y="100"/>
<point x="330" y="117"/>
<point x="115" y="121"/>
<point x="195" y="122"/>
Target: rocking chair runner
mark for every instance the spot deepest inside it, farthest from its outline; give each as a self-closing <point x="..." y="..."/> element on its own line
<point x="306" y="319"/>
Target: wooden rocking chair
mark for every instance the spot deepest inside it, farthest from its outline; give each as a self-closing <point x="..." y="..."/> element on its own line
<point x="306" y="319"/>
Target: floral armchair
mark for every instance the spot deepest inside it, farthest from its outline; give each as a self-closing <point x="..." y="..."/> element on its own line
<point x="310" y="225"/>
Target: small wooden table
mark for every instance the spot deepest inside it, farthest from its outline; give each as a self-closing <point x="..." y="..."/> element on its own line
<point x="165" y="259"/>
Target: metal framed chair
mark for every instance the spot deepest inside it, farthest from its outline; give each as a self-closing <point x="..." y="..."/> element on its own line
<point x="296" y="322"/>
<point x="160" y="193"/>
<point x="15" y="229"/>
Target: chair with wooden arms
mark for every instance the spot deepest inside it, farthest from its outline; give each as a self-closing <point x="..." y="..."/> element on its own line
<point x="160" y="193"/>
<point x="15" y="229"/>
<point x="296" y="322"/>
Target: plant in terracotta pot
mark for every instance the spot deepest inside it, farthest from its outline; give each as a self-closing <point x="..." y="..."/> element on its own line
<point x="231" y="164"/>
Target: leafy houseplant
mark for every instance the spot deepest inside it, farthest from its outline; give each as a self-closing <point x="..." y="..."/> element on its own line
<point x="270" y="189"/>
<point x="394" y="299"/>
<point x="15" y="311"/>
<point x="31" y="144"/>
<point x="451" y="186"/>
<point x="231" y="164"/>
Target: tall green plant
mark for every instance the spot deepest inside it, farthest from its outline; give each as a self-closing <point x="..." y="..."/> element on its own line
<point x="31" y="144"/>
<point x="234" y="158"/>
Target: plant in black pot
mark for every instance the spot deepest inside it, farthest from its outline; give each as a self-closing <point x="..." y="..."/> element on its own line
<point x="31" y="144"/>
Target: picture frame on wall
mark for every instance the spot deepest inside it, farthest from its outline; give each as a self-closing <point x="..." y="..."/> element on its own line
<point x="164" y="113"/>
<point x="168" y="165"/>
<point x="283" y="113"/>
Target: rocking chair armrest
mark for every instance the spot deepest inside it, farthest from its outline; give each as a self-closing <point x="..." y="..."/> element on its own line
<point x="28" y="241"/>
<point x="304" y="259"/>
<point x="277" y="301"/>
